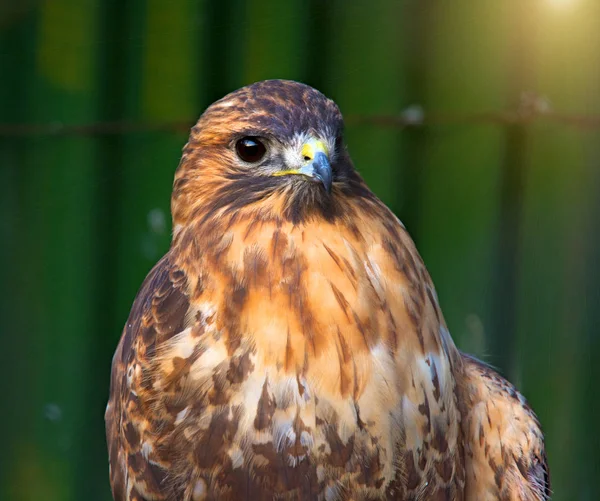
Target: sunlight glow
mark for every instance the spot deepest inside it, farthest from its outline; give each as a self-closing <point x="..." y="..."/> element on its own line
<point x="562" y="4"/>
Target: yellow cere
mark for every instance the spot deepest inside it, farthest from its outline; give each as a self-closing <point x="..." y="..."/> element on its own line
<point x="312" y="147"/>
<point x="309" y="150"/>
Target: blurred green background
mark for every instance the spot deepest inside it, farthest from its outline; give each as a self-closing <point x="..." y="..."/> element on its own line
<point x="95" y="100"/>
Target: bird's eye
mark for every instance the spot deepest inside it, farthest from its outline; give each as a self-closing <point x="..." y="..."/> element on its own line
<point x="250" y="149"/>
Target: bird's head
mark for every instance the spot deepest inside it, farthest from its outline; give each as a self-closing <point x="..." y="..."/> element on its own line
<point x="271" y="150"/>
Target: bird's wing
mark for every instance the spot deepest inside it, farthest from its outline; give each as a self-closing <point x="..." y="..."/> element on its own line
<point x="504" y="445"/>
<point x="158" y="313"/>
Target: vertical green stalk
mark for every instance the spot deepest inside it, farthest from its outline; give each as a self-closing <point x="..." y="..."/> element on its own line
<point x="17" y="32"/>
<point x="163" y="85"/>
<point x="464" y="73"/>
<point x="56" y="255"/>
<point x="363" y="75"/>
<point x="558" y="210"/>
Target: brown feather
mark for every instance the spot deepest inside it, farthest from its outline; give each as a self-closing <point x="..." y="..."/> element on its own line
<point x="504" y="443"/>
<point x="290" y="344"/>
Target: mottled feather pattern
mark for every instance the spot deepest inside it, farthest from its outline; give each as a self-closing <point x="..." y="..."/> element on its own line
<point x="290" y="344"/>
<point x="504" y="448"/>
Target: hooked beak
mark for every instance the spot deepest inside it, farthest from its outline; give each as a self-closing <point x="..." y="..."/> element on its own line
<point x="316" y="166"/>
<point x="320" y="169"/>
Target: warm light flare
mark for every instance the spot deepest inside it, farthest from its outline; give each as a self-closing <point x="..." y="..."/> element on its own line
<point x="563" y="4"/>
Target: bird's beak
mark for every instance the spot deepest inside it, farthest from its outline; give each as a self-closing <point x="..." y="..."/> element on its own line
<point x="316" y="163"/>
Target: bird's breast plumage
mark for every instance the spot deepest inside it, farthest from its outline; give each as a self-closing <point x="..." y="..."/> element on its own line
<point x="303" y="349"/>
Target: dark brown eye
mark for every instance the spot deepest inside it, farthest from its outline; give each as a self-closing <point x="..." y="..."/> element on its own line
<point x="250" y="149"/>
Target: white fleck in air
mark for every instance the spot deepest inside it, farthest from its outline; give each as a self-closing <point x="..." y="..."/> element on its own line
<point x="157" y="222"/>
<point x="414" y="114"/>
<point x="52" y="412"/>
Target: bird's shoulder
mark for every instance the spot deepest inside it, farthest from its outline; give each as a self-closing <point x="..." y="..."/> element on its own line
<point x="504" y="444"/>
<point x="158" y="314"/>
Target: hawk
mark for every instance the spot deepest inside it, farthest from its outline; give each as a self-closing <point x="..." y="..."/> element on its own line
<point x="290" y="344"/>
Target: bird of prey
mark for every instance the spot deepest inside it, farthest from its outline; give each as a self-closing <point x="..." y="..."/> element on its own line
<point x="290" y="345"/>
